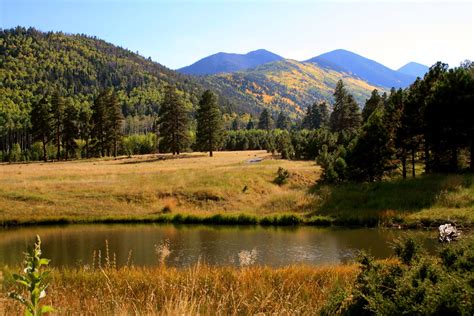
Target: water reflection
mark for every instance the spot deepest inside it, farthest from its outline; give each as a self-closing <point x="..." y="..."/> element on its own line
<point x="215" y="245"/>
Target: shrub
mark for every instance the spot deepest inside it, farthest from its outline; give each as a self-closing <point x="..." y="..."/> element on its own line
<point x="420" y="284"/>
<point x="282" y="176"/>
<point x="15" y="153"/>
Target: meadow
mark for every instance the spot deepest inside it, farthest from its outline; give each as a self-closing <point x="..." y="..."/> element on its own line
<point x="225" y="189"/>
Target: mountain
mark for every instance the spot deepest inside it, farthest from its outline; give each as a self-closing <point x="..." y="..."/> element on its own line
<point x="414" y="69"/>
<point x="225" y="62"/>
<point x="286" y="85"/>
<point x="364" y="68"/>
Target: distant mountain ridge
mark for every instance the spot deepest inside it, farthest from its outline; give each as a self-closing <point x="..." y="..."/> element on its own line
<point x="369" y="70"/>
<point x="414" y="69"/>
<point x="229" y="62"/>
<point x="340" y="60"/>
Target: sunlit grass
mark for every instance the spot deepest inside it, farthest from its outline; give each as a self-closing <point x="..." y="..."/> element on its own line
<point x="200" y="289"/>
<point x="143" y="186"/>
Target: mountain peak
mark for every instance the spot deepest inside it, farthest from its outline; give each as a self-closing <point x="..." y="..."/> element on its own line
<point x="414" y="69"/>
<point x="227" y="62"/>
<point x="364" y="68"/>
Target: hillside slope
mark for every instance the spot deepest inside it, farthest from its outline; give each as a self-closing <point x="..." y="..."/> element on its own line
<point x="226" y="62"/>
<point x="33" y="62"/>
<point x="288" y="85"/>
<point x="364" y="68"/>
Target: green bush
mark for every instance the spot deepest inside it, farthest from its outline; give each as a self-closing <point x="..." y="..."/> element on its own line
<point x="420" y="284"/>
<point x="282" y="176"/>
<point x="139" y="144"/>
<point x="15" y="153"/>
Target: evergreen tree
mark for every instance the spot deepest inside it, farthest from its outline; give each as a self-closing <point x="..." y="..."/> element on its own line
<point x="235" y="124"/>
<point x="84" y="127"/>
<point x="346" y="113"/>
<point x="372" y="104"/>
<point x="265" y="121"/>
<point x="283" y="121"/>
<point x="392" y="111"/>
<point x="57" y="111"/>
<point x="408" y="136"/>
<point x="317" y="116"/>
<point x="370" y="158"/>
<point x="99" y="124"/>
<point x="173" y="122"/>
<point x="209" y="123"/>
<point x="284" y="146"/>
<point x="70" y="128"/>
<point x="42" y="123"/>
<point x="114" y="122"/>
<point x="322" y="116"/>
<point x="250" y="124"/>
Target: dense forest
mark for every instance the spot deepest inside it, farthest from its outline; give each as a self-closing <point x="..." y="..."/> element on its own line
<point x="73" y="96"/>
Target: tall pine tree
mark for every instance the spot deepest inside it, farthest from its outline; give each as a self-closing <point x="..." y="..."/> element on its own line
<point x="209" y="123"/>
<point x="99" y="124"/>
<point x="265" y="122"/>
<point x="346" y="113"/>
<point x="57" y="111"/>
<point x="173" y="122"/>
<point x="114" y="122"/>
<point x="371" y="105"/>
<point x="283" y="121"/>
<point x="70" y="128"/>
<point x="42" y="123"/>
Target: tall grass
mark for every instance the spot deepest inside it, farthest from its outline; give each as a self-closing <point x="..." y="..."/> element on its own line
<point x="200" y="289"/>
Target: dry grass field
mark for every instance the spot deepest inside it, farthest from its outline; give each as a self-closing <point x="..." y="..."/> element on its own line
<point x="198" y="290"/>
<point x="149" y="185"/>
<point x="226" y="189"/>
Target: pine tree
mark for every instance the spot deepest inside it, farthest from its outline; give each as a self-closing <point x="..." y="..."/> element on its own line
<point x="57" y="111"/>
<point x="283" y="121"/>
<point x="84" y="127"/>
<point x="371" y="105"/>
<point x="250" y="124"/>
<point x="99" y="123"/>
<point x="322" y="117"/>
<point x="70" y="128"/>
<point x="307" y="122"/>
<point x="235" y="124"/>
<point x="370" y="158"/>
<point x="114" y="122"/>
<point x="173" y="122"/>
<point x="265" y="121"/>
<point x="346" y="113"/>
<point x="317" y="116"/>
<point x="41" y="121"/>
<point x="209" y="123"/>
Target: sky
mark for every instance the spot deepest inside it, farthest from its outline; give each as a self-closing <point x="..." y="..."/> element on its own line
<point x="180" y="32"/>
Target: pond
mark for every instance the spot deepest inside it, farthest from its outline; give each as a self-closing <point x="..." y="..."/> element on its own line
<point x="77" y="245"/>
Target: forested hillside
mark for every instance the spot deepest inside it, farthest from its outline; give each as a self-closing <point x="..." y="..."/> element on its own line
<point x="80" y="66"/>
<point x="287" y="85"/>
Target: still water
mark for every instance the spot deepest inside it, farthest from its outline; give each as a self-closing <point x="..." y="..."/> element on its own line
<point x="274" y="246"/>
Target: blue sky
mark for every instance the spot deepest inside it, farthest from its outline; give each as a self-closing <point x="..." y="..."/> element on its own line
<point x="177" y="33"/>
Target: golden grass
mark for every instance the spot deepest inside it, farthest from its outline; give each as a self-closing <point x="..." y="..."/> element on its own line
<point x="196" y="290"/>
<point x="144" y="185"/>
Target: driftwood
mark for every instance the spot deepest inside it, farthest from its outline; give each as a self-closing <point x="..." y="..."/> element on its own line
<point x="448" y="232"/>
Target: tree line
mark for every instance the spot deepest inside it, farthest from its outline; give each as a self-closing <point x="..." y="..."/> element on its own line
<point x="427" y="126"/>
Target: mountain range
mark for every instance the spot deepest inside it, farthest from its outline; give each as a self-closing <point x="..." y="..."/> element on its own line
<point x="339" y="60"/>
<point x="80" y="66"/>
